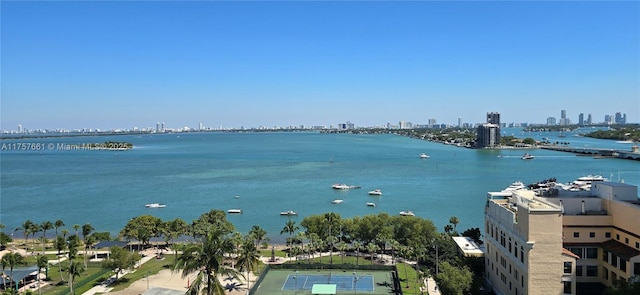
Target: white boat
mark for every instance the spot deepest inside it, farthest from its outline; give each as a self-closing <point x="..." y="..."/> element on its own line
<point x="591" y="178"/>
<point x="234" y="211"/>
<point x="371" y="204"/>
<point x="289" y="213"/>
<point x="585" y="182"/>
<point x="155" y="205"/>
<point x="376" y="192"/>
<point x="527" y="156"/>
<point x="407" y="213"/>
<point x="340" y="186"/>
<point x="423" y="156"/>
<point x="336" y="201"/>
<point x="516" y="185"/>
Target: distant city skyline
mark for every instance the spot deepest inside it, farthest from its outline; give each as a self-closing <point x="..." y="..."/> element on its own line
<point x="117" y="65"/>
<point x="618" y="118"/>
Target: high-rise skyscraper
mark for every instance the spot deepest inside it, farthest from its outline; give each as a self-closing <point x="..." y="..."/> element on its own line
<point x="489" y="133"/>
<point x="589" y="120"/>
<point x="581" y="119"/>
<point x="620" y="118"/>
<point x="563" y="117"/>
<point x="493" y="118"/>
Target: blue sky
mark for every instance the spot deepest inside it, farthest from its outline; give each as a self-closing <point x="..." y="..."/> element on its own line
<point x="120" y="64"/>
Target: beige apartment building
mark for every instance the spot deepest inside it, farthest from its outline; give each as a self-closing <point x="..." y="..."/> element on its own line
<point x="560" y="241"/>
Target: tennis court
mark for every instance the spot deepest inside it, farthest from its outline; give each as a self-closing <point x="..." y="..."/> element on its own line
<point x="347" y="282"/>
<point x="342" y="282"/>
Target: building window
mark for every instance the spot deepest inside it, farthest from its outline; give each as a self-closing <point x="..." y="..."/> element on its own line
<point x="567" y="287"/>
<point x="626" y="240"/>
<point x="637" y="245"/>
<point x="607" y="235"/>
<point x="578" y="270"/>
<point x="636" y="268"/>
<point x="592" y="253"/>
<point x="614" y="260"/>
<point x="618" y="237"/>
<point x="592" y="270"/>
<point x="577" y="251"/>
<point x="592" y="234"/>
<point x="605" y="256"/>
<point x="605" y="273"/>
<point x="521" y="254"/>
<point x="576" y="234"/>
<point x="623" y="265"/>
<point x="567" y="267"/>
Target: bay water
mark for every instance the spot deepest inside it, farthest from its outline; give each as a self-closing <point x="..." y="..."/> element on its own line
<point x="264" y="173"/>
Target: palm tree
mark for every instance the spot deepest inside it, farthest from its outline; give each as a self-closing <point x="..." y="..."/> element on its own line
<point x="45" y="226"/>
<point x="11" y="260"/>
<point x="248" y="257"/>
<point x="357" y="245"/>
<point x="342" y="246"/>
<point x="206" y="259"/>
<point x="64" y="232"/>
<point x="394" y="246"/>
<point x="42" y="262"/>
<point x="76" y="227"/>
<point x="59" y="223"/>
<point x="61" y="244"/>
<point x="372" y="248"/>
<point x="173" y="229"/>
<point x="290" y="228"/>
<point x="35" y="228"/>
<point x="405" y="252"/>
<point x="74" y="270"/>
<point x="26" y="229"/>
<point x="448" y="229"/>
<point x="258" y="234"/>
<point x="331" y="240"/>
<point x="86" y="231"/>
<point x="454" y="220"/>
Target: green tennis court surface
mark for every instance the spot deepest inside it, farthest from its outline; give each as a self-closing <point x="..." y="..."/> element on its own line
<point x="342" y="282"/>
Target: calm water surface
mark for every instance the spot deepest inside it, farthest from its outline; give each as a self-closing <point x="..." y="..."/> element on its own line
<point x="273" y="172"/>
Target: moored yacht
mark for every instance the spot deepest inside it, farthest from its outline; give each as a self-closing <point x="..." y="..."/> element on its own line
<point x="336" y="201"/>
<point x="516" y="185"/>
<point x="155" y="205"/>
<point x="234" y="211"/>
<point x="376" y="192"/>
<point x="289" y="213"/>
<point x="340" y="186"/>
<point x="423" y="156"/>
<point x="371" y="204"/>
<point x="407" y="213"/>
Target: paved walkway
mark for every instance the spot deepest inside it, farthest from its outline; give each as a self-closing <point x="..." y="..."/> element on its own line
<point x="432" y="287"/>
<point x="150" y="254"/>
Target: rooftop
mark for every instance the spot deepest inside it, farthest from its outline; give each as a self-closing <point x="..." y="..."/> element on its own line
<point x="468" y="246"/>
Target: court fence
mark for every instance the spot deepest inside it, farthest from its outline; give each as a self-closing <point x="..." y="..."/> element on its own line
<point x="397" y="289"/>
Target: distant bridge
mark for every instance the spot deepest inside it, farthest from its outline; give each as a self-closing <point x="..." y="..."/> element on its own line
<point x="634" y="154"/>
